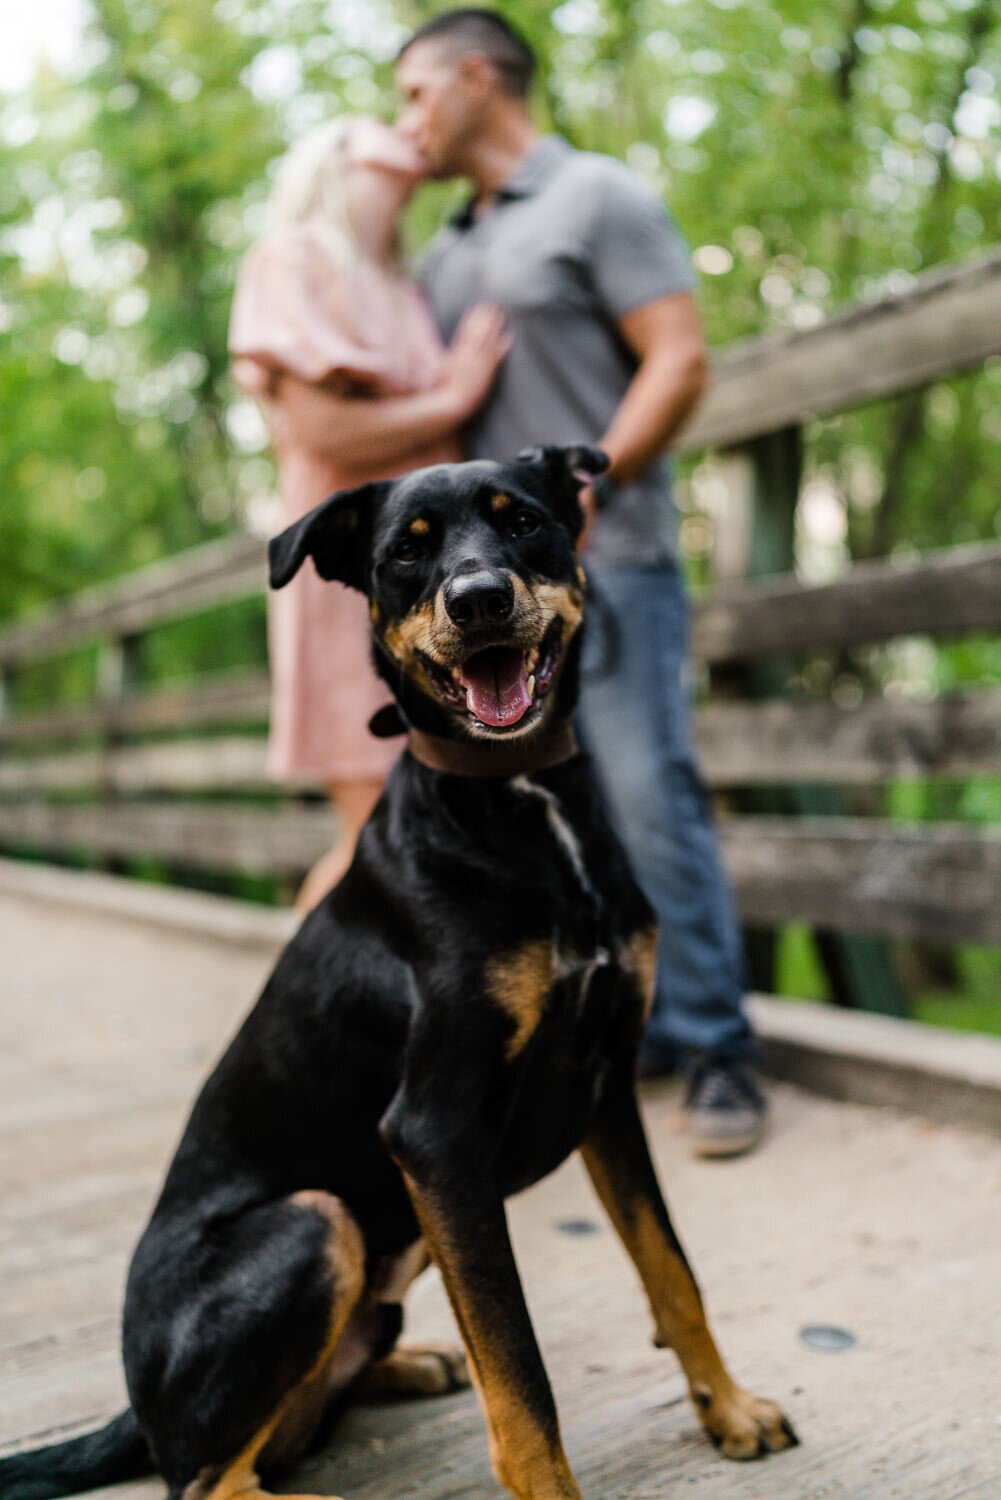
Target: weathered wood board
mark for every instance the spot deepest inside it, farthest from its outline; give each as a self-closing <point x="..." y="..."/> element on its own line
<point x="861" y="874"/>
<point x="257" y="840"/>
<point x="237" y="697"/>
<point x="948" y="321"/>
<point x="200" y="578"/>
<point x="945" y="593"/>
<point x="868" y="875"/>
<point x="802" y="740"/>
<point x="739" y="744"/>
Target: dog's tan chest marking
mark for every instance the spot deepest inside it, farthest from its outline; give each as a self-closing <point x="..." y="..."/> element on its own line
<point x="519" y="983"/>
<point x="639" y="958"/>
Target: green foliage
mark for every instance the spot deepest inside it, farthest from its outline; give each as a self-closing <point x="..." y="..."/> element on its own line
<point x="798" y="970"/>
<point x="219" y="640"/>
<point x="972" y="1005"/>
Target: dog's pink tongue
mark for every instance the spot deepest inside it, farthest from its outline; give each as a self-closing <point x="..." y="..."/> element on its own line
<point x="496" y="689"/>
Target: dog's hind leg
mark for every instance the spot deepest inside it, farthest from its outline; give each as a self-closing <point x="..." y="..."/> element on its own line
<point x="617" y="1157"/>
<point x="231" y="1338"/>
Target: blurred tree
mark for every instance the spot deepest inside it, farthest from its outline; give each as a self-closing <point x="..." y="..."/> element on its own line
<point x="114" y="360"/>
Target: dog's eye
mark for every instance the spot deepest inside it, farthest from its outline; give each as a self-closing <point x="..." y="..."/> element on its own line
<point x="524" y="522"/>
<point x="408" y="550"/>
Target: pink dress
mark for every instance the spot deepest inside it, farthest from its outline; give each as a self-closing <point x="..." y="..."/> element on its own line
<point x="295" y="310"/>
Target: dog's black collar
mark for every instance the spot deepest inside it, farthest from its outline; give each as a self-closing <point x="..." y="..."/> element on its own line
<point x="485" y="759"/>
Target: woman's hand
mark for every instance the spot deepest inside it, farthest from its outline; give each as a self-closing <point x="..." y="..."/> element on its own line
<point x="361" y="429"/>
<point x="478" y="346"/>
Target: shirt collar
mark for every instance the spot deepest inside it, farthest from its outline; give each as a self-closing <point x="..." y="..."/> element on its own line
<point x="531" y="173"/>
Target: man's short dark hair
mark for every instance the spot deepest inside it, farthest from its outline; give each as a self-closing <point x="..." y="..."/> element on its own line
<point x="486" y="31"/>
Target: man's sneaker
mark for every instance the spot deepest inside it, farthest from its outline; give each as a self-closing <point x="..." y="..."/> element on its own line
<point x="724" y="1108"/>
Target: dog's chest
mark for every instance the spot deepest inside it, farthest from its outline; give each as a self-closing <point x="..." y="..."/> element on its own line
<point x="568" y="989"/>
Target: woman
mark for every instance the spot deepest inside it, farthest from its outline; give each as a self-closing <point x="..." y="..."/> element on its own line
<point x="329" y="331"/>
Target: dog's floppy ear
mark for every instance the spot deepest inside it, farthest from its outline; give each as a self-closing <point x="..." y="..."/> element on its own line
<point x="337" y="535"/>
<point x="565" y="471"/>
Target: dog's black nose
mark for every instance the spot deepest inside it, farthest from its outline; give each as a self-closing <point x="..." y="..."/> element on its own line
<point x="482" y="598"/>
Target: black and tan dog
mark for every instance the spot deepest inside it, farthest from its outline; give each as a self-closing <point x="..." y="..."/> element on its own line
<point x="456" y="1017"/>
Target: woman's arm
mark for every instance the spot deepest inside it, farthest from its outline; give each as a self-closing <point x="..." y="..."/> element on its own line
<point x="363" y="431"/>
<point x="360" y="431"/>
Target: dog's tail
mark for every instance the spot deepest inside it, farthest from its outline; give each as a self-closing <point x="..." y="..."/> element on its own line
<point x="114" y="1453"/>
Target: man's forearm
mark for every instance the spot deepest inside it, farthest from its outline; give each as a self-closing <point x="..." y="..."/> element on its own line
<point x="662" y="393"/>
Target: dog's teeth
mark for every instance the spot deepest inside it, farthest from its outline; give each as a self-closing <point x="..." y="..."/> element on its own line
<point x="530" y="684"/>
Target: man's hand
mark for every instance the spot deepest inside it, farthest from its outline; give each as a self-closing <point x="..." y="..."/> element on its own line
<point x="588" y="502"/>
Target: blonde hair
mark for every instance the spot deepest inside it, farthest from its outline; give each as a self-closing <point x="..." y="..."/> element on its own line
<point x="310" y="188"/>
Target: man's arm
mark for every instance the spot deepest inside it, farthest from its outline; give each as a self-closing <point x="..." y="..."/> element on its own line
<point x="666" y="337"/>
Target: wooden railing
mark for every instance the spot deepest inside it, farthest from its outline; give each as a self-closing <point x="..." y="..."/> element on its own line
<point x="144" y="749"/>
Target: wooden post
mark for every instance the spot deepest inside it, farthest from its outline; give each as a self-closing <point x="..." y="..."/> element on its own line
<point x="118" y="667"/>
<point x="769" y="495"/>
<point x="859" y="968"/>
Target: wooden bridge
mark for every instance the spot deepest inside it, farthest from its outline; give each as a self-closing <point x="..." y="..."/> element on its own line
<point x="879" y="1213"/>
<point x="876" y="1220"/>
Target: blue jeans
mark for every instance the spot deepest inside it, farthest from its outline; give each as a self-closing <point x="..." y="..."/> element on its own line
<point x="634" y="719"/>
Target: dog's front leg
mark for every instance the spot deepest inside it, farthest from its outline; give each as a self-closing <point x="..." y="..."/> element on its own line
<point x="617" y="1157"/>
<point x="462" y="1217"/>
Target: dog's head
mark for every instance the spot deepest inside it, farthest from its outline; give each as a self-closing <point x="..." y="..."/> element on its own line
<point x="474" y="590"/>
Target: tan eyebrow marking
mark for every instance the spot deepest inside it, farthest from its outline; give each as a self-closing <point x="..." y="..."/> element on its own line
<point x="500" y="502"/>
<point x="420" y="527"/>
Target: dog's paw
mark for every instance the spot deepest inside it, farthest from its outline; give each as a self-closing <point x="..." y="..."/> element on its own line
<point x="440" y="1369"/>
<point x="741" y="1425"/>
<point x="426" y="1370"/>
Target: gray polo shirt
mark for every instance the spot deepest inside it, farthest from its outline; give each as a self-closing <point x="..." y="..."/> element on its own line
<point x="573" y="241"/>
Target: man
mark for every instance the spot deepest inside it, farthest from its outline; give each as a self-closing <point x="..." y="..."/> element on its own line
<point x="596" y="286"/>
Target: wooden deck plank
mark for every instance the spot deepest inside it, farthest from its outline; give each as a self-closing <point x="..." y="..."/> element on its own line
<point x="865" y="1218"/>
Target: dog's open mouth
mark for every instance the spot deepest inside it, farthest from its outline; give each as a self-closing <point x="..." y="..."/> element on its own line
<point x="500" y="685"/>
